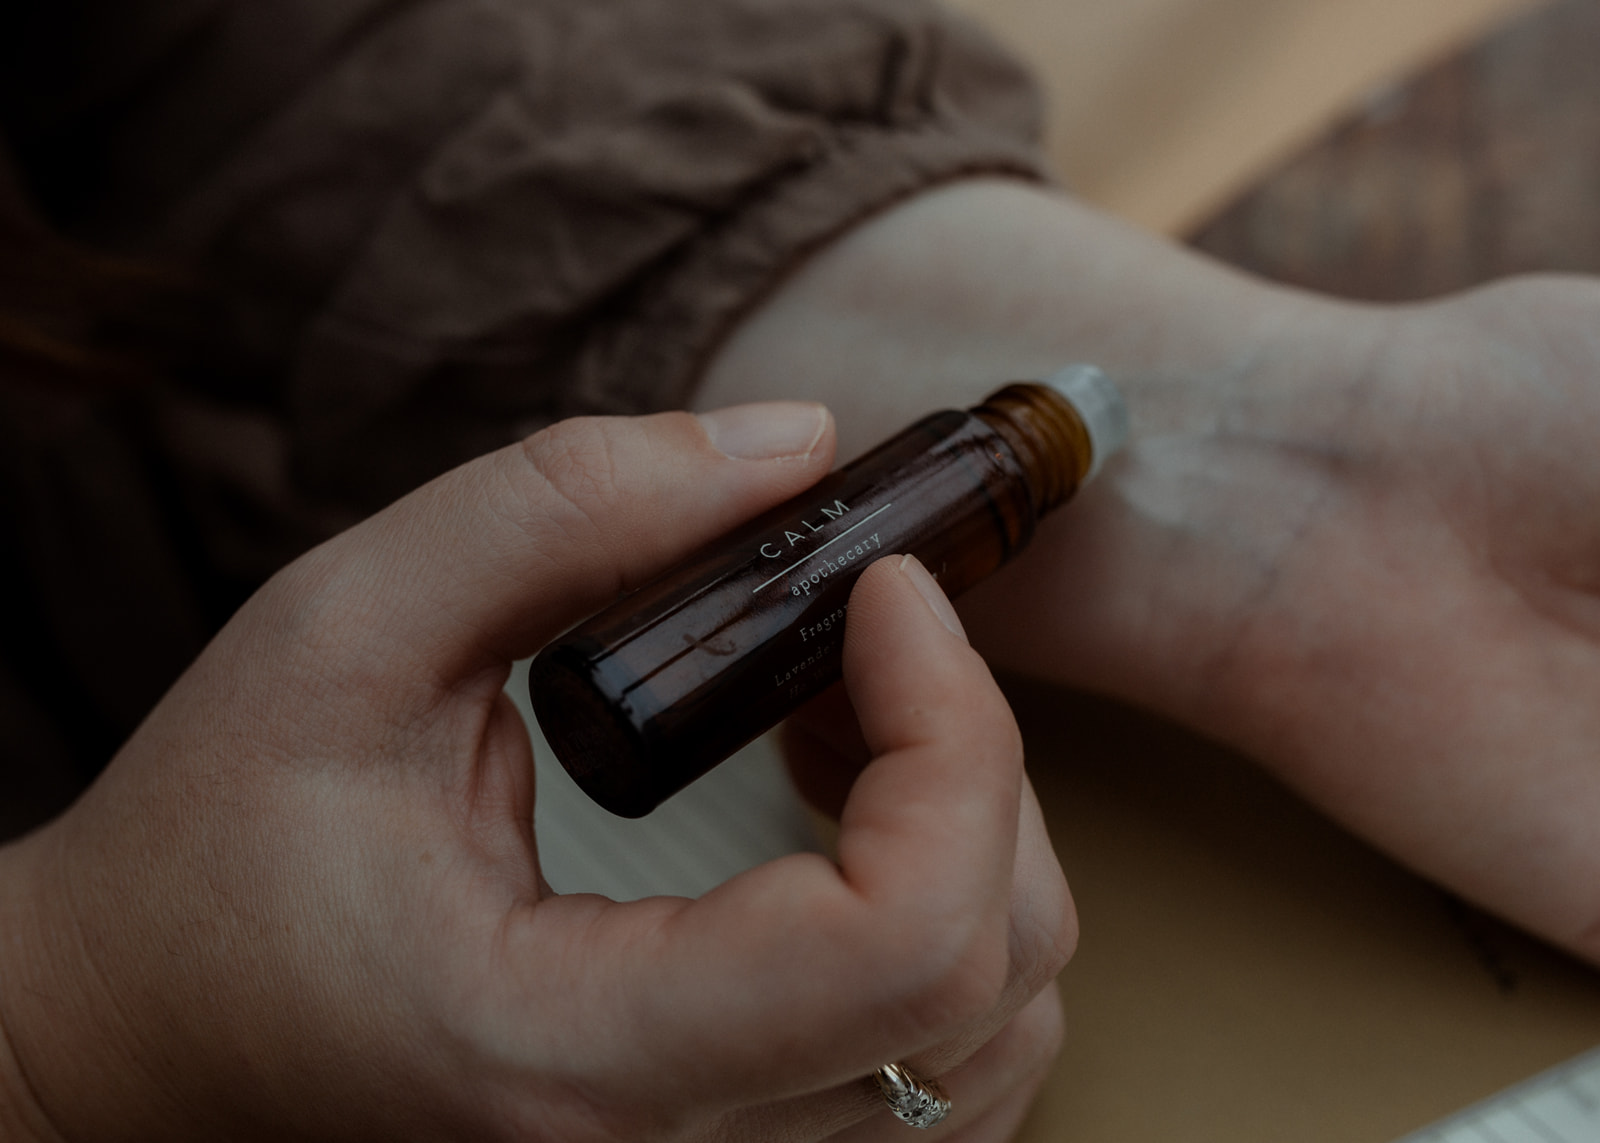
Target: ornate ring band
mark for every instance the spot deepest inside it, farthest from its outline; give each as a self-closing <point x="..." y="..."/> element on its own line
<point x="919" y="1102"/>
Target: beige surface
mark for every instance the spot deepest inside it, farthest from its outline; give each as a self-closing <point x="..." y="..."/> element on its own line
<point x="1249" y="973"/>
<point x="1162" y="110"/>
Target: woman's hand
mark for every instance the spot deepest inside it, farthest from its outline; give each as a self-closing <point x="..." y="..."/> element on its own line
<point x="1361" y="544"/>
<point x="1375" y="566"/>
<point x="305" y="901"/>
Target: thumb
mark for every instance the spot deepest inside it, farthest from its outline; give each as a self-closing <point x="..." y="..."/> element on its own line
<point x="488" y="562"/>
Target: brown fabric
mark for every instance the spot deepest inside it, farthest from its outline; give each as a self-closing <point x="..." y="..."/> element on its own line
<point x="426" y="227"/>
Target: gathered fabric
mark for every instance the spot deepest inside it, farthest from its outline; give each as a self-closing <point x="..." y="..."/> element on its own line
<point x="418" y="230"/>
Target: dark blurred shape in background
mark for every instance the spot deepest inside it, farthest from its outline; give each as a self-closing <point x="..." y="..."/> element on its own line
<point x="1487" y="164"/>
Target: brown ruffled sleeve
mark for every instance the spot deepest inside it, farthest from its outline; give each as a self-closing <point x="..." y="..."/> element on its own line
<point x="433" y="225"/>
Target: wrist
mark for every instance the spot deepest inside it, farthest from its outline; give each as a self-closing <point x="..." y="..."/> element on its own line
<point x="932" y="304"/>
<point x="1237" y="389"/>
<point x="23" y="1116"/>
<point x="74" y="1067"/>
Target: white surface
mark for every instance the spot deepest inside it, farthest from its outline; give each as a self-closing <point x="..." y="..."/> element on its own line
<point x="743" y="813"/>
<point x="1561" y="1105"/>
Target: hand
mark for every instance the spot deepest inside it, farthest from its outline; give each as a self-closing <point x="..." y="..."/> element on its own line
<point x="305" y="902"/>
<point x="1361" y="544"/>
<point x="1379" y="573"/>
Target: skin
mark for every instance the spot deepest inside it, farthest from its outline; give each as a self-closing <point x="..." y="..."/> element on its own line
<point x="1357" y="543"/>
<point x="1360" y="544"/>
<point x="304" y="901"/>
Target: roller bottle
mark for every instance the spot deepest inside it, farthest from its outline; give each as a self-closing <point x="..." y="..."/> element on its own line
<point x="651" y="693"/>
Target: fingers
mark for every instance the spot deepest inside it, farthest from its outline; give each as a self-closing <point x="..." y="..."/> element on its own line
<point x="930" y="828"/>
<point x="1043" y="936"/>
<point x="824" y="750"/>
<point x="991" y="1093"/>
<point x="1043" y="921"/>
<point x="490" y="560"/>
<point x="801" y="976"/>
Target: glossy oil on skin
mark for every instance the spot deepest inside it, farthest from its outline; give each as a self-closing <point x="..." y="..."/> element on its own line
<point x="673" y="678"/>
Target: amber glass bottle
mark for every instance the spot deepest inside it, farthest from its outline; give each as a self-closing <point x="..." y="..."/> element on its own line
<point x="657" y="689"/>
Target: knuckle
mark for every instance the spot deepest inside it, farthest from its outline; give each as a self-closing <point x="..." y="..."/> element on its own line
<point x="1029" y="1044"/>
<point x="949" y="982"/>
<point x="576" y="463"/>
<point x="1044" y="936"/>
<point x="1064" y="940"/>
<point x="1041" y="1027"/>
<point x="312" y="607"/>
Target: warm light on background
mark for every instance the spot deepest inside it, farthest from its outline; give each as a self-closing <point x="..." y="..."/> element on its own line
<point x="1164" y="110"/>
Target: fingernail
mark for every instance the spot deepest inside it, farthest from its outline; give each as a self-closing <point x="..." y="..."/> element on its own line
<point x="766" y="431"/>
<point x="929" y="589"/>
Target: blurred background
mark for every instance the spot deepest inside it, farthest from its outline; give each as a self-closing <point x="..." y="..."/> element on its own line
<point x="1481" y="164"/>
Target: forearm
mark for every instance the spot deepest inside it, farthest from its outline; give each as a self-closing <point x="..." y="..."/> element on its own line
<point x="1140" y="589"/>
<point x="1354" y="542"/>
<point x="987" y="280"/>
<point x="22" y="1118"/>
<point x="79" y="1058"/>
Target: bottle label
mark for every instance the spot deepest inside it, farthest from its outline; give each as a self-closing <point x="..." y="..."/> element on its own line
<point x="808" y="575"/>
<point x="808" y="549"/>
<point x="704" y="659"/>
<point x="792" y="539"/>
